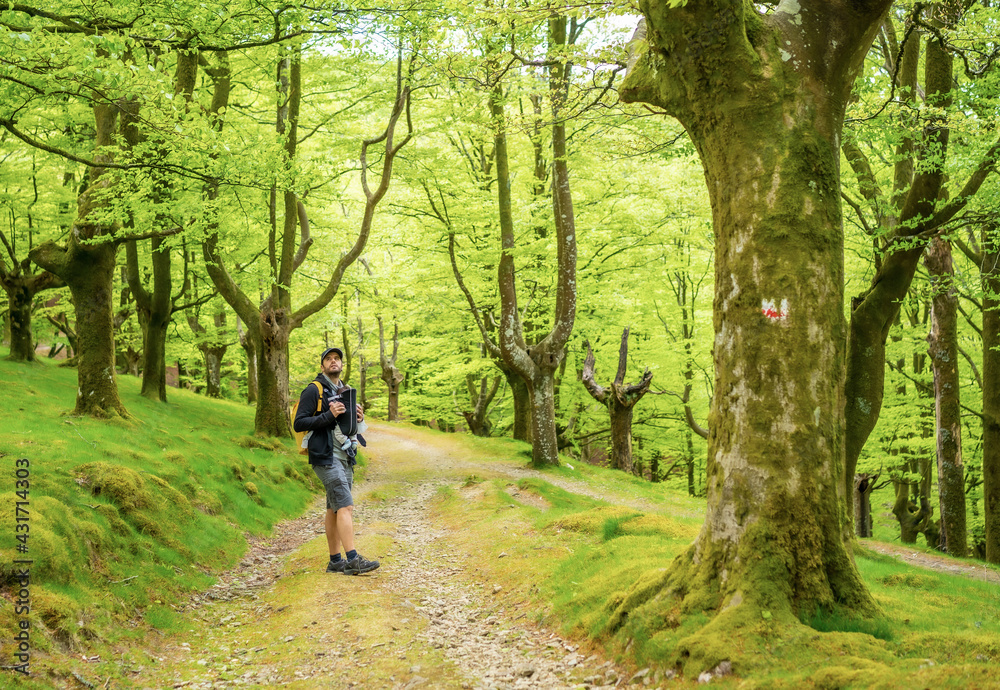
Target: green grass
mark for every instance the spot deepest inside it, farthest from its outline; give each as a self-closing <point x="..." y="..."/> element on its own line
<point x="126" y="516"/>
<point x="935" y="630"/>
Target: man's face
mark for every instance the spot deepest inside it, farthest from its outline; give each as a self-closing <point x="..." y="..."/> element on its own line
<point x="332" y="366"/>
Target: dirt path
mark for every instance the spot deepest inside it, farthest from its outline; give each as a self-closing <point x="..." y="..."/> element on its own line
<point x="421" y="621"/>
<point x="942" y="564"/>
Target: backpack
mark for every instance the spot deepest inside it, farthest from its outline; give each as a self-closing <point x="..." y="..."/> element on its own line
<point x="300" y="436"/>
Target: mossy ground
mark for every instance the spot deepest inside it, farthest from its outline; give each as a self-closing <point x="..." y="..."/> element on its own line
<point x="127" y="516"/>
<point x="565" y="545"/>
<point x="577" y="558"/>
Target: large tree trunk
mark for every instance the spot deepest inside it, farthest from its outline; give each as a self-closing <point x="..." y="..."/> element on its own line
<point x="621" y="436"/>
<point x="271" y="344"/>
<point x="91" y="283"/>
<point x="943" y="349"/>
<point x="991" y="389"/>
<point x="88" y="270"/>
<point x="22" y="340"/>
<point x="763" y="99"/>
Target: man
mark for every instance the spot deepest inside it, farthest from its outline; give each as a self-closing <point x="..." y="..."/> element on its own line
<point x="331" y="464"/>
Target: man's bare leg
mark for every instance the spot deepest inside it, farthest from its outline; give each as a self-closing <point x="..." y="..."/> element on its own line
<point x="343" y="521"/>
<point x="332" y="538"/>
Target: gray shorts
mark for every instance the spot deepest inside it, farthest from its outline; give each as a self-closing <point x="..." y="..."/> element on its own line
<point x="338" y="480"/>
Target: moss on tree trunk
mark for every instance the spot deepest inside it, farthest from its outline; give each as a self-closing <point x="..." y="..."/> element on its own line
<point x="213" y="370"/>
<point x="22" y="340"/>
<point x="88" y="270"/>
<point x="943" y="350"/>
<point x="763" y="99"/>
<point x="154" y="352"/>
<point x="522" y="405"/>
<point x="272" y="416"/>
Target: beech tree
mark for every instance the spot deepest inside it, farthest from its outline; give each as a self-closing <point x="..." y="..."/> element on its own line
<point x="391" y="374"/>
<point x="619" y="398"/>
<point x="21" y="280"/>
<point x="987" y="257"/>
<point x="943" y="348"/>
<point x="763" y="98"/>
<point x="920" y="206"/>
<point x="990" y="242"/>
<point x="270" y="322"/>
<point x="537" y="364"/>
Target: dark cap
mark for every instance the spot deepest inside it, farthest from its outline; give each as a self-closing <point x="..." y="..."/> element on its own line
<point x="328" y="350"/>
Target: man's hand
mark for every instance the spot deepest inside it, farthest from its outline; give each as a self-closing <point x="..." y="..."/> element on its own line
<point x="337" y="408"/>
<point x="361" y="413"/>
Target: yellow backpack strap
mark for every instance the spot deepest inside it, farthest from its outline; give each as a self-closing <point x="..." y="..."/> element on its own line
<point x="319" y="401"/>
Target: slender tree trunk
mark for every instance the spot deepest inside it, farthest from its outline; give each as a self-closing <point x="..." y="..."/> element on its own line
<point x="154" y="353"/>
<point x="157" y="321"/>
<point x="689" y="461"/>
<point x="991" y="389"/>
<point x="246" y="342"/>
<point x="863" y="505"/>
<point x="944" y="357"/>
<point x="213" y="370"/>
<point x="363" y="383"/>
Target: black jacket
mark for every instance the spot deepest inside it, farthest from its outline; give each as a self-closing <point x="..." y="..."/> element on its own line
<point x="322" y="447"/>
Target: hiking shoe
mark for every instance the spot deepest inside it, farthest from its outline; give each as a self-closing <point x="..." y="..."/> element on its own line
<point x="359" y="565"/>
<point x="337" y="567"/>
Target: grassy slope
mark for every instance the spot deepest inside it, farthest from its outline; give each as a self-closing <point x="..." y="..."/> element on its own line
<point x="127" y="516"/>
<point x="577" y="558"/>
